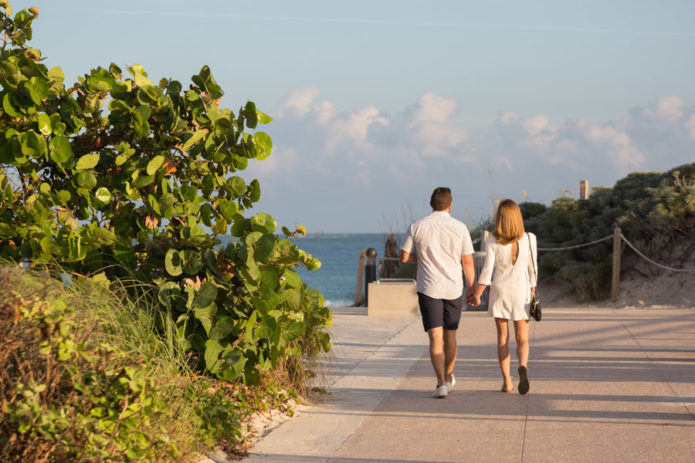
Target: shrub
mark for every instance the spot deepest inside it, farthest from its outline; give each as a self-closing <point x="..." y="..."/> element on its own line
<point x="136" y="179"/>
<point x="654" y="211"/>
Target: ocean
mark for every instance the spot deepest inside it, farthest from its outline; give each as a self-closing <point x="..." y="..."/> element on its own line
<point x="339" y="255"/>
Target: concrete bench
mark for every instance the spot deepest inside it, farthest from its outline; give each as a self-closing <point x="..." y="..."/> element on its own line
<point x="392" y="297"/>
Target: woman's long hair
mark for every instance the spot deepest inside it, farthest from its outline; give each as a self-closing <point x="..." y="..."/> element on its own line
<point x="509" y="225"/>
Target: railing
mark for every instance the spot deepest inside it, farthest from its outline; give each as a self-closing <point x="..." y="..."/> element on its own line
<point x="479" y="258"/>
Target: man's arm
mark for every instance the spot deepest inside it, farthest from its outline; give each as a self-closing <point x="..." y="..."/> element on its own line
<point x="468" y="270"/>
<point x="408" y="258"/>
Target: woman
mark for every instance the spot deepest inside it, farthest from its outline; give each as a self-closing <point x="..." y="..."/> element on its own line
<point x="508" y="252"/>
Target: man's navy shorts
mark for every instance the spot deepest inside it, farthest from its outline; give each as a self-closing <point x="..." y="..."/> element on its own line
<point x="440" y="312"/>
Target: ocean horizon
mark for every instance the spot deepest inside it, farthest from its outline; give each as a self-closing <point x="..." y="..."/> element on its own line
<point x="339" y="255"/>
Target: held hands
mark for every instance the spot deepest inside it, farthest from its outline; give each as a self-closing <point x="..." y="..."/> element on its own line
<point x="471" y="298"/>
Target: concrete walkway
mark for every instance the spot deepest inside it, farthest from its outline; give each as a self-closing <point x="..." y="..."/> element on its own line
<point x="607" y="385"/>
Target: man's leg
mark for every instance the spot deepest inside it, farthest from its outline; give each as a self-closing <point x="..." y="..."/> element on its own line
<point x="437" y="353"/>
<point x="450" y="350"/>
<point x="452" y="316"/>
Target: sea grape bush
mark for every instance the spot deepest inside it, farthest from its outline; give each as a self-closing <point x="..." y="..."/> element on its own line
<point x="121" y="175"/>
<point x="654" y="211"/>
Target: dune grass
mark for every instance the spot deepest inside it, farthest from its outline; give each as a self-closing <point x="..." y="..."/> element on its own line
<point x="89" y="373"/>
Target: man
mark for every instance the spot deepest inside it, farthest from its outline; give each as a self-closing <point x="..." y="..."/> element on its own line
<point x="442" y="248"/>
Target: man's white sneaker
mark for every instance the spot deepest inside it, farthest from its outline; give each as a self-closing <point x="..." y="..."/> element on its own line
<point x="450" y="384"/>
<point x="440" y="392"/>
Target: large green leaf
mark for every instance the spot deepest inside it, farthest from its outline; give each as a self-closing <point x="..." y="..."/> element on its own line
<point x="263" y="222"/>
<point x="32" y="144"/>
<point x="263" y="118"/>
<point x="205" y="81"/>
<point x="228" y="209"/>
<point x="103" y="195"/>
<point x="234" y="365"/>
<point x="264" y="145"/>
<point x="8" y="107"/>
<point x="38" y="89"/>
<point x="169" y="293"/>
<point x="88" y="161"/>
<point x="213" y="349"/>
<point x="44" y="124"/>
<point x="172" y="263"/>
<point x="10" y="74"/>
<point x="103" y="237"/>
<point x="291" y="330"/>
<point x="266" y="329"/>
<point x="155" y="164"/>
<point x="100" y="80"/>
<point x="237" y="186"/>
<point x="139" y="75"/>
<point x="255" y="190"/>
<point x="265" y="247"/>
<point x="205" y="295"/>
<point x="60" y="149"/>
<point x="192" y="261"/>
<point x="194" y="138"/>
<point x="142" y="181"/>
<point x="224" y="326"/>
<point x="86" y="180"/>
<point x="292" y="278"/>
<point x="251" y="115"/>
<point x="205" y="316"/>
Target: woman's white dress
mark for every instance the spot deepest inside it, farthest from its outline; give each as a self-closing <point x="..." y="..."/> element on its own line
<point x="510" y="284"/>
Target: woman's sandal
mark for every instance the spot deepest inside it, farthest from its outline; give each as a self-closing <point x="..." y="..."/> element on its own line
<point x="523" y="380"/>
<point x="507" y="389"/>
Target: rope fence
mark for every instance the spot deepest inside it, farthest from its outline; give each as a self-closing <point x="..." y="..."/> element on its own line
<point x="617" y="237"/>
<point x="606" y="238"/>
<point x="577" y="246"/>
<point x="665" y="267"/>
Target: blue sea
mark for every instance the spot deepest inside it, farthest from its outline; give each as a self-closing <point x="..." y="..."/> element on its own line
<point x="339" y="255"/>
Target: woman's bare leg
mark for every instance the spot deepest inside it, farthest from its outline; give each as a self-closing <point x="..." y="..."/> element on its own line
<point x="503" y="351"/>
<point x="521" y="335"/>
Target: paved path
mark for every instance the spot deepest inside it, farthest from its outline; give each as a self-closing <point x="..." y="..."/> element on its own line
<point x="615" y="385"/>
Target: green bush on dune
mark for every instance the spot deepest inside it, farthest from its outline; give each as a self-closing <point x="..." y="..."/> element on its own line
<point x="654" y="211"/>
<point x="133" y="182"/>
<point x="84" y="377"/>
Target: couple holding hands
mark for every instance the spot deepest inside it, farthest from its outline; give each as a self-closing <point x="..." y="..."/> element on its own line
<point x="441" y="247"/>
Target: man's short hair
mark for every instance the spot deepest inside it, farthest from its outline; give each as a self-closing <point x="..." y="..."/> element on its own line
<point x="441" y="198"/>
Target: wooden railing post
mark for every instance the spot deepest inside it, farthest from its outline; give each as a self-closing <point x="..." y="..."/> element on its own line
<point x="615" y="283"/>
<point x="360" y="278"/>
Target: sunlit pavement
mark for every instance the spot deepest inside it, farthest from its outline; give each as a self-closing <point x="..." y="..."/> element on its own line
<point x="606" y="385"/>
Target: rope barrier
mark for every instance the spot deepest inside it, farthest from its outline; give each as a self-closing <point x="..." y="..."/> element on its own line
<point x="567" y="248"/>
<point x="606" y="238"/>
<point x="666" y="267"/>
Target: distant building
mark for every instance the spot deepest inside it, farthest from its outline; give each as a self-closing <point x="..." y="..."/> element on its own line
<point x="583" y="189"/>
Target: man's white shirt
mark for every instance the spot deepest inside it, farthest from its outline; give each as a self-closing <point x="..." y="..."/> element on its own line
<point x="438" y="241"/>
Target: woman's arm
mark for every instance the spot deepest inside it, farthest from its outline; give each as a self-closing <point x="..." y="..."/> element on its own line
<point x="485" y="276"/>
<point x="408" y="258"/>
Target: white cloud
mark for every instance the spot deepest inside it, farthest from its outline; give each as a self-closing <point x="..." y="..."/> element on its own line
<point x="668" y="108"/>
<point x="298" y="103"/>
<point x="617" y="145"/>
<point x="330" y="159"/>
<point x="353" y="127"/>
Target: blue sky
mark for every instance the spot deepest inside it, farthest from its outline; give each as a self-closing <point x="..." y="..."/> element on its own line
<point x="376" y="103"/>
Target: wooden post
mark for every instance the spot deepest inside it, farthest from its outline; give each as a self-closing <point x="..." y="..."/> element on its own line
<point x="360" y="278"/>
<point x="615" y="284"/>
